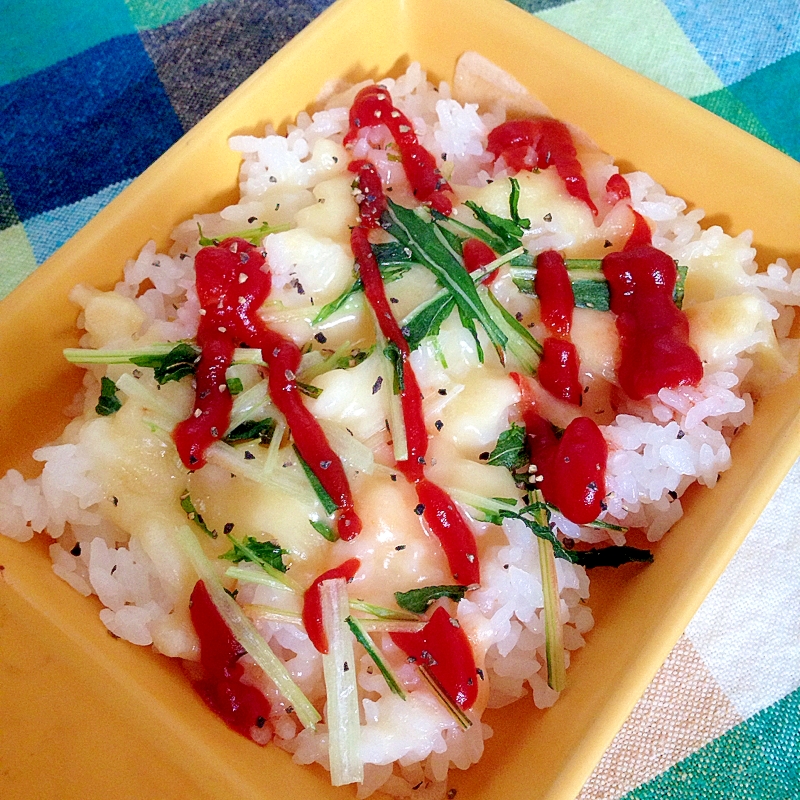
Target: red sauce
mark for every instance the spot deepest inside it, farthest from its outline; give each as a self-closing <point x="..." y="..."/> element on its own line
<point x="450" y="528"/>
<point x="552" y="146"/>
<point x="373" y="106"/>
<point x="478" y="254"/>
<point x="554" y="290"/>
<point x="572" y="468"/>
<point x="241" y="706"/>
<point x="312" y="602"/>
<point x="373" y="201"/>
<point x="558" y="370"/>
<point x="444" y="650"/>
<point x="617" y="189"/>
<point x="640" y="235"/>
<point x="232" y="286"/>
<point x="654" y="333"/>
<point x="438" y="510"/>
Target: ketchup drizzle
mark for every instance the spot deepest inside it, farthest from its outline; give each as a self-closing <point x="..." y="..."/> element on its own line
<point x="654" y="333"/>
<point x="241" y="706"/>
<point x="439" y="511"/>
<point x="617" y="188"/>
<point x="312" y="602"/>
<point x="478" y="254"/>
<point x="572" y="469"/>
<point x="553" y="146"/>
<point x="558" y="370"/>
<point x="231" y="286"/>
<point x="444" y="650"/>
<point x="373" y="106"/>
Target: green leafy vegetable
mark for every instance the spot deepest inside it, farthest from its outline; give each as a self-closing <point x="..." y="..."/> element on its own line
<point x="513" y="206"/>
<point x="235" y="386"/>
<point x="365" y="640"/>
<point x="427" y="319"/>
<point x="188" y="506"/>
<point x="257" y="552"/>
<point x="507" y="230"/>
<point x="262" y="429"/>
<point x="252" y="235"/>
<point x="417" y="600"/>
<point x="433" y="250"/>
<point x="395" y="357"/>
<point x="178" y="363"/>
<point x="328" y="503"/>
<point x="613" y="556"/>
<point x="509" y="452"/>
<point x="108" y="403"/>
<point x="308" y="389"/>
<point x="324" y="530"/>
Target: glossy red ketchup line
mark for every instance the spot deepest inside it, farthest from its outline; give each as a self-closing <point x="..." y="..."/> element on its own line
<point x="553" y="145"/>
<point x="617" y="188"/>
<point x="654" y="333"/>
<point x="373" y="201"/>
<point x="478" y="254"/>
<point x="554" y="290"/>
<point x="572" y="468"/>
<point x="232" y="286"/>
<point x="312" y="602"/>
<point x="438" y="510"/>
<point x="241" y="706"/>
<point x="373" y="106"/>
<point x="558" y="370"/>
<point x="444" y="650"/>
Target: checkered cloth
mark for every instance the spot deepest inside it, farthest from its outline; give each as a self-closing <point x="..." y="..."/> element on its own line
<point x="92" y="93"/>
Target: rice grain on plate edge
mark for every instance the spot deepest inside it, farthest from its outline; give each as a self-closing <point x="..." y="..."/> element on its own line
<point x="114" y="493"/>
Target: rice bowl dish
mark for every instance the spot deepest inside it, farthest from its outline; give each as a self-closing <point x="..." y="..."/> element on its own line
<point x="107" y="514"/>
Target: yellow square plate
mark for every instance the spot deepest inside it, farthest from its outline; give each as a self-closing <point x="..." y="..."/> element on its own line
<point x="85" y="716"/>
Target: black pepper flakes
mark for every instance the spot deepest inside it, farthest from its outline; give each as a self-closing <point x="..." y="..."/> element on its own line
<point x="346" y="667"/>
<point x="548" y="217"/>
<point x="76" y="551"/>
<point x="438" y="424"/>
<point x="115" y="501"/>
<point x="400" y="547"/>
<point x="248" y="455"/>
<point x="451" y="793"/>
<point x="393" y="477"/>
<point x="606" y="243"/>
<point x="484" y="456"/>
<point x="260" y="722"/>
<point x="228" y="528"/>
<point x="251" y="220"/>
<point x="420" y="509"/>
<point x="376" y="387"/>
<point x="443" y="392"/>
<point x="321" y="337"/>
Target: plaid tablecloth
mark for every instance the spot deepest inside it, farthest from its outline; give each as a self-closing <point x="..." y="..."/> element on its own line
<point x="91" y="93"/>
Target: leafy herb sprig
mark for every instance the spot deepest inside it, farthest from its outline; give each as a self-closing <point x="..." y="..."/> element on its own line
<point x="438" y="250"/>
<point x="107" y="403"/>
